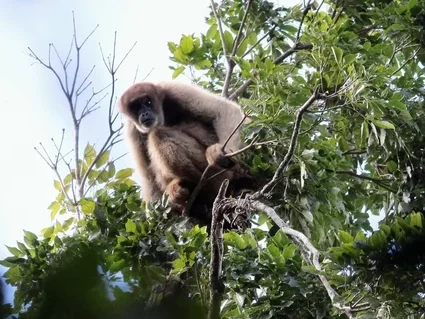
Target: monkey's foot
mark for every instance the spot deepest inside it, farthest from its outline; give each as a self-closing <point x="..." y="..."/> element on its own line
<point x="216" y="157"/>
<point x="178" y="192"/>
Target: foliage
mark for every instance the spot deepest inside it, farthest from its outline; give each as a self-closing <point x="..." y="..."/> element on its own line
<point x="359" y="153"/>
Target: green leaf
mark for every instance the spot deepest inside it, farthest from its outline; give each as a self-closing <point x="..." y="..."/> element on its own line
<point x="384" y="124"/>
<point x="68" y="179"/>
<point x="87" y="206"/>
<point x="178" y="71"/>
<point x="337" y="54"/>
<point x="124" y="173"/>
<point x="350" y="58"/>
<point x="236" y="240"/>
<point x="228" y="41"/>
<point x="392" y="166"/>
<point x="378" y="240"/>
<point x="186" y="44"/>
<point x="15" y="251"/>
<point x="48" y="232"/>
<point x="172" y="46"/>
<point x="103" y="159"/>
<point x="55" y="207"/>
<point x="117" y="266"/>
<point x="22" y="247"/>
<point x="416" y="220"/>
<point x="130" y="227"/>
<point x="57" y="185"/>
<point x="289" y="252"/>
<point x="67" y="223"/>
<point x="111" y="170"/>
<point x="30" y="239"/>
<point x="179" y="56"/>
<point x="290" y="29"/>
<point x="89" y="154"/>
<point x="242" y="47"/>
<point x="345" y="237"/>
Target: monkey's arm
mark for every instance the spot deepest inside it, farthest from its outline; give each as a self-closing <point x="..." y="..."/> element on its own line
<point x="223" y="113"/>
<point x="138" y="150"/>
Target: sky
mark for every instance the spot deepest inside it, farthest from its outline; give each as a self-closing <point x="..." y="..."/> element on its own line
<point x="32" y="106"/>
<point x="34" y="110"/>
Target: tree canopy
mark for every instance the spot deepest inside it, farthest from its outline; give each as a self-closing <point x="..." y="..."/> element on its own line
<point x="335" y="92"/>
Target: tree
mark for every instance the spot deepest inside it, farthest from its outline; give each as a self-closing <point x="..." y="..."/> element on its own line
<point x="335" y="92"/>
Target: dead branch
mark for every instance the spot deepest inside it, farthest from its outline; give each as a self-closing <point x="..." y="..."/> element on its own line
<point x="73" y="88"/>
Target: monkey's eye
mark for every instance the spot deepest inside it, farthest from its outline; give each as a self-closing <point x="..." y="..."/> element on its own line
<point x="147" y="102"/>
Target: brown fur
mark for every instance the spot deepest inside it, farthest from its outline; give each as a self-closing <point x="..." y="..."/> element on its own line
<point x="190" y="127"/>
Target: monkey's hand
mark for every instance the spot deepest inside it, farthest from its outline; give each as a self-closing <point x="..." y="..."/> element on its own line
<point x="216" y="157"/>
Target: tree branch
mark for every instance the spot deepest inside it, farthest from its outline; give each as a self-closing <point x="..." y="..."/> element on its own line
<point x="216" y="241"/>
<point x="377" y="181"/>
<point x="292" y="145"/>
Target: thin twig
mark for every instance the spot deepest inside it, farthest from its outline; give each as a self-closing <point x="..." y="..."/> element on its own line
<point x="149" y="73"/>
<point x="234" y="131"/>
<point x="135" y="74"/>
<point x="253" y="144"/>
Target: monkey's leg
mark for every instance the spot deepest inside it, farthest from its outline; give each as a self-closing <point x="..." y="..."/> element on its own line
<point x="178" y="160"/>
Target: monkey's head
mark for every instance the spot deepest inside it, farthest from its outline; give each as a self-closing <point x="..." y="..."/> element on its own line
<point x="142" y="105"/>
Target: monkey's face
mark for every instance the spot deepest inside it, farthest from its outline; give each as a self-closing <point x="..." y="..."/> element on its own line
<point x="142" y="104"/>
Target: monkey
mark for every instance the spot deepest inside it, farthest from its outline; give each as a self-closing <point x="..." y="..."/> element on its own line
<point x="174" y="131"/>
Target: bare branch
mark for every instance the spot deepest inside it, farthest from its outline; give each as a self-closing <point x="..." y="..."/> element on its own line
<point x="78" y="92"/>
<point x="135" y="74"/>
<point x="125" y="56"/>
<point x="149" y="73"/>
